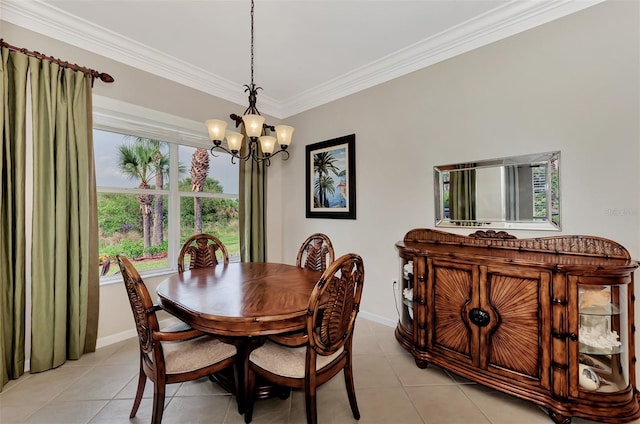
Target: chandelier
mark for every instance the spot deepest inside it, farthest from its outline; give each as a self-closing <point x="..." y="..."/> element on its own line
<point x="253" y="124"/>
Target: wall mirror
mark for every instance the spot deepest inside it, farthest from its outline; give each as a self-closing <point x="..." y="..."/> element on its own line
<point x="517" y="192"/>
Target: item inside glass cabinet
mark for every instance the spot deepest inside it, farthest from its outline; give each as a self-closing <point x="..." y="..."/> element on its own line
<point x="596" y="301"/>
<point x="601" y="349"/>
<point x="596" y="332"/>
<point x="407" y="291"/>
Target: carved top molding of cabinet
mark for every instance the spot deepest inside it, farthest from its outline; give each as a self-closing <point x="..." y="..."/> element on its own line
<point x="568" y="249"/>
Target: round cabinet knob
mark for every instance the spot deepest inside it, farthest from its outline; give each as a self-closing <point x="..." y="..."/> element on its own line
<point x="479" y="317"/>
<point x="588" y="379"/>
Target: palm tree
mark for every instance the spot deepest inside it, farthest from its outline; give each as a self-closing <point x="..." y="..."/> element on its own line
<point x="325" y="184"/>
<point x="199" y="172"/>
<point x="143" y="160"/>
<point x="161" y="167"/>
<point x="323" y="163"/>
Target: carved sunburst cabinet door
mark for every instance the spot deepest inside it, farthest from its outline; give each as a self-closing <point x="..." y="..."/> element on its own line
<point x="514" y="345"/>
<point x="453" y="291"/>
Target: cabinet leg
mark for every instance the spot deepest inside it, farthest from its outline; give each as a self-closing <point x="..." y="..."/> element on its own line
<point x="559" y="418"/>
<point x="421" y="363"/>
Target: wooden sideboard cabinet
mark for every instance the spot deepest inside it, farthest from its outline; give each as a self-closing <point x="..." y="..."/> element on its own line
<point x="549" y="320"/>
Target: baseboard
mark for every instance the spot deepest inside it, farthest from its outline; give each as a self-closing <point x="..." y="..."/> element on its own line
<point x="377" y="318"/>
<point x="115" y="338"/>
<point x="125" y="335"/>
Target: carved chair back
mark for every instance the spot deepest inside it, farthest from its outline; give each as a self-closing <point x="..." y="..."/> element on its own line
<point x="334" y="305"/>
<point x="143" y="310"/>
<point x="314" y="252"/>
<point x="204" y="251"/>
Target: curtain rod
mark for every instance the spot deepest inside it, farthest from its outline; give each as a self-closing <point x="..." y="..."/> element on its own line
<point x="94" y="74"/>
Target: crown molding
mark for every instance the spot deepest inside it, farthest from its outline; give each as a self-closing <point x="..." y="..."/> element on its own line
<point x="45" y="19"/>
<point x="509" y="19"/>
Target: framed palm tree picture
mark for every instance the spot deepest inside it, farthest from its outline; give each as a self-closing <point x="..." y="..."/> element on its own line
<point x="331" y="178"/>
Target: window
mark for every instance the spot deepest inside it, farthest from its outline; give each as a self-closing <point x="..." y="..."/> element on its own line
<point x="155" y="192"/>
<point x="540" y="187"/>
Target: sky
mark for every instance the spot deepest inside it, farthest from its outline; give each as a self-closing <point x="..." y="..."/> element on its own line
<point x="109" y="175"/>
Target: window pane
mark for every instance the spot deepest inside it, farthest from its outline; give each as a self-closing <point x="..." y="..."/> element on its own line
<point x="219" y="218"/>
<point x="130" y="162"/>
<point x="121" y="229"/>
<point x="211" y="174"/>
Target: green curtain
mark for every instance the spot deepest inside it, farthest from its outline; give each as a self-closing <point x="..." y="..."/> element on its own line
<point x="13" y="86"/>
<point x="253" y="208"/>
<point x="462" y="195"/>
<point x="511" y="192"/>
<point x="64" y="265"/>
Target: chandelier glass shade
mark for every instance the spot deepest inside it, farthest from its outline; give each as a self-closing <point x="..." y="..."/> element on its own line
<point x="260" y="148"/>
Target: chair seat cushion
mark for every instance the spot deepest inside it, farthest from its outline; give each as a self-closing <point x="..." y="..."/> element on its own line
<point x="287" y="361"/>
<point x="190" y="355"/>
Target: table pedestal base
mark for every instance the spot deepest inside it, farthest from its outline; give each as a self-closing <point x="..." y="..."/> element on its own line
<point x="264" y="389"/>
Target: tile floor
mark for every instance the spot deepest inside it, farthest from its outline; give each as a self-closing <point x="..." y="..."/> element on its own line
<point x="99" y="388"/>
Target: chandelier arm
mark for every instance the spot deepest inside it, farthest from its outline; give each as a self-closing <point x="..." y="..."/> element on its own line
<point x="267" y="158"/>
<point x="250" y="149"/>
<point x="212" y="149"/>
<point x="245" y="157"/>
<point x="280" y="151"/>
<point x="236" y="118"/>
<point x="221" y="148"/>
<point x="233" y="155"/>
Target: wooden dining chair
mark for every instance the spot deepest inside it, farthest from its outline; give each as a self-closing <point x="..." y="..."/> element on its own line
<point x="204" y="250"/>
<point x="330" y="320"/>
<point x="314" y="252"/>
<point x="173" y="355"/>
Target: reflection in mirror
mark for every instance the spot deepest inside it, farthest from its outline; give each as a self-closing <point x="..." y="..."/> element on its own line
<point x="519" y="192"/>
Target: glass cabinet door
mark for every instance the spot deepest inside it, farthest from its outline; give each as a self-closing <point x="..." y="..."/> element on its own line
<point x="404" y="295"/>
<point x="602" y="336"/>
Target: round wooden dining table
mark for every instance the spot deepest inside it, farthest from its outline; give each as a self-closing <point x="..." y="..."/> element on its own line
<point x="240" y="299"/>
<point x="245" y="301"/>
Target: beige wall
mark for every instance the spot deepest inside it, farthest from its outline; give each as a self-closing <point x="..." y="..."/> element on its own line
<point x="570" y="85"/>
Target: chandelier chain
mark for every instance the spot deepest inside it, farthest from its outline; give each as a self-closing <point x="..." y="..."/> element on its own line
<point x="252" y="42"/>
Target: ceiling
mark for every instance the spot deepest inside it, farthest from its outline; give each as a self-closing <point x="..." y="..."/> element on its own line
<point x="307" y="52"/>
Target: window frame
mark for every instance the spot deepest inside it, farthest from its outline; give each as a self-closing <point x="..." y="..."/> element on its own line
<point x="125" y="118"/>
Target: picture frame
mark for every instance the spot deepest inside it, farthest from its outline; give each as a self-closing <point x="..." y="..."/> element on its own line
<point x="331" y="178"/>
